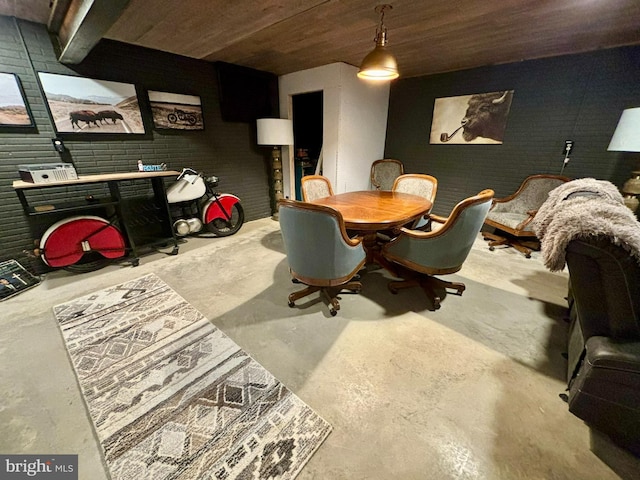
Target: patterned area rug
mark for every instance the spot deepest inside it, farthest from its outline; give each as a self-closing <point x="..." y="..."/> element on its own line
<point x="172" y="397"/>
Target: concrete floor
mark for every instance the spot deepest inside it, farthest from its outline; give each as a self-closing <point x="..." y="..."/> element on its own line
<point x="466" y="392"/>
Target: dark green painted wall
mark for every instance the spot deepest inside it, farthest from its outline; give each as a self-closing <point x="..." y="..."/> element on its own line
<point x="576" y="97"/>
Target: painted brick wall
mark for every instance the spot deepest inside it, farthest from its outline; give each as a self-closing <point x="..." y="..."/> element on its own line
<point x="576" y="97"/>
<point x="225" y="149"/>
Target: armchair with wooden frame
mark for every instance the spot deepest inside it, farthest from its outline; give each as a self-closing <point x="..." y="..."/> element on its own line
<point x="416" y="256"/>
<point x="511" y="216"/>
<point x="418" y="184"/>
<point x="384" y="172"/>
<point x="315" y="186"/>
<point x="320" y="253"/>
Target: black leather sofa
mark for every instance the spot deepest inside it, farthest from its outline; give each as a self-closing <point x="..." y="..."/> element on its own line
<point x="604" y="339"/>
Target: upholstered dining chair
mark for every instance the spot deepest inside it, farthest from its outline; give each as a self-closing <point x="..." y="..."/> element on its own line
<point x="416" y="256"/>
<point x="417" y="184"/>
<point x="320" y="253"/>
<point x="511" y="216"/>
<point x="384" y="172"/>
<point x="315" y="186"/>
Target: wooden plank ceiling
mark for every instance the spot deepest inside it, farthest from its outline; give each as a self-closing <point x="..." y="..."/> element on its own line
<point x="426" y="36"/>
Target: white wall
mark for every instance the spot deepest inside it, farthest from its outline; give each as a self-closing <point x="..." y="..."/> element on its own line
<point x="354" y="123"/>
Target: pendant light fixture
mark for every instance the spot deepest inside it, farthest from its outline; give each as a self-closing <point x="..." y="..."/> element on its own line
<point x="379" y="64"/>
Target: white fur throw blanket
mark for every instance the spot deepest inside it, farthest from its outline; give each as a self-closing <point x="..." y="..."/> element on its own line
<point x="579" y="209"/>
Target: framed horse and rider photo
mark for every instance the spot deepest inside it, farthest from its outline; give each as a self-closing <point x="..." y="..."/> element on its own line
<point x="480" y="118"/>
<point x="88" y="106"/>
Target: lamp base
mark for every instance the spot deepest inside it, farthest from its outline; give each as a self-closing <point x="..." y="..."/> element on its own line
<point x="631" y="201"/>
<point x="276" y="171"/>
<point x="631" y="191"/>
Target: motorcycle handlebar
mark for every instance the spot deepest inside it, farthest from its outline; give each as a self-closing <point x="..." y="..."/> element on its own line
<point x="213" y="180"/>
<point x="185" y="171"/>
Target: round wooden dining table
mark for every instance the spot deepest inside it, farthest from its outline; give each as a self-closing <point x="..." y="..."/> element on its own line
<point x="370" y="211"/>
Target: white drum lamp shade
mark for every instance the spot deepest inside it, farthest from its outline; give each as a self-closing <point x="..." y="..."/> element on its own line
<point x="626" y="138"/>
<point x="275" y="131"/>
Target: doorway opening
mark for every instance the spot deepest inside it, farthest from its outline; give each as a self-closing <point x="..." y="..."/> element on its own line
<point x="307" y="135"/>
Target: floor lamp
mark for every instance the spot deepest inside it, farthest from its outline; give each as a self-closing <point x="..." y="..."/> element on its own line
<point x="275" y="132"/>
<point x="626" y="138"/>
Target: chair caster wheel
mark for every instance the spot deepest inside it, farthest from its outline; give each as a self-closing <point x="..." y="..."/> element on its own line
<point x="491" y="249"/>
<point x="291" y="304"/>
<point x="528" y="255"/>
<point x="393" y="291"/>
<point x="333" y="312"/>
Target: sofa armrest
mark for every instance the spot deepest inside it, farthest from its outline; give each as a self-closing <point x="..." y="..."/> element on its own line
<point x="606" y="391"/>
<point x="603" y="352"/>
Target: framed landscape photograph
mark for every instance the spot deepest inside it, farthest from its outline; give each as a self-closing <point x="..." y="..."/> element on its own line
<point x="469" y="119"/>
<point x="84" y="105"/>
<point x="14" y="110"/>
<point x="176" y="111"/>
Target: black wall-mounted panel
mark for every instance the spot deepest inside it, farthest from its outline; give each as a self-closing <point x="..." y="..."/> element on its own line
<point x="246" y="94"/>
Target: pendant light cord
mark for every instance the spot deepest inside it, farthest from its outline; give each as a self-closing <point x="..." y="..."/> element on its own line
<point x="381" y="31"/>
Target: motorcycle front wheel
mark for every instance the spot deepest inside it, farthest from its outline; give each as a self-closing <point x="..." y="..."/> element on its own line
<point x="223" y="227"/>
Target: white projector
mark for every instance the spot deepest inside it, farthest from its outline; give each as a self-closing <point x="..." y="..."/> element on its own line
<point x="47" y="172"/>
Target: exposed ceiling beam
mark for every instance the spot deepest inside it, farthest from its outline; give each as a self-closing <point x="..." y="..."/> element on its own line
<point x="58" y="11"/>
<point x="84" y="24"/>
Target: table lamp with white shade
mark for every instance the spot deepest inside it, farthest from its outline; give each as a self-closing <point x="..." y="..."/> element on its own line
<point x="275" y="132"/>
<point x="626" y="138"/>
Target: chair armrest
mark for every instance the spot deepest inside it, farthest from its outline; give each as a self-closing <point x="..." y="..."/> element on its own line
<point x="353" y="241"/>
<point x="422" y="233"/>
<point x="528" y="220"/>
<point x="438" y="218"/>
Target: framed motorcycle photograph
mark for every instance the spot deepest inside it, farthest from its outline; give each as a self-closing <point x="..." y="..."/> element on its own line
<point x="176" y="111"/>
